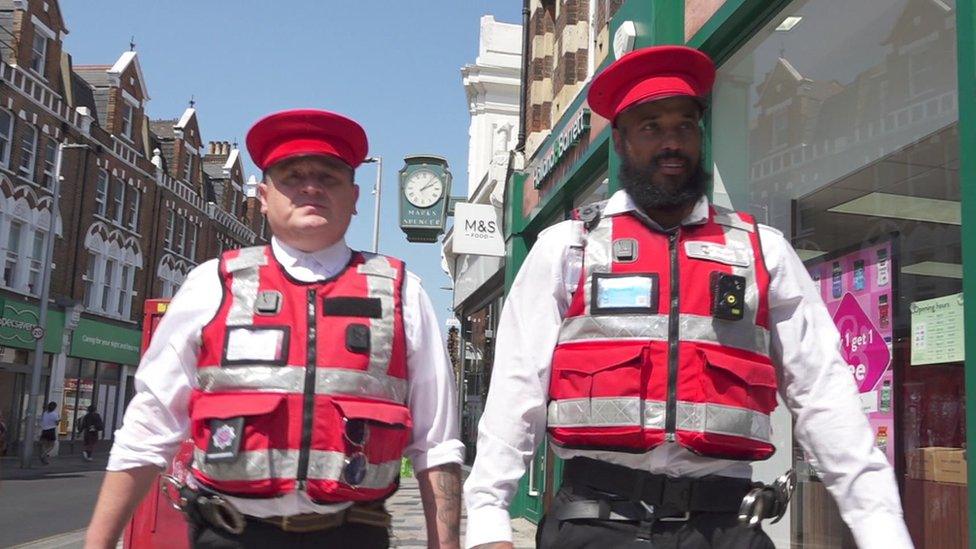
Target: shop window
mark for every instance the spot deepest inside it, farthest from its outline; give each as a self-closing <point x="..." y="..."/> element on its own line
<point x="28" y="152"/>
<point x="101" y="193"/>
<point x="872" y="206"/>
<point x="6" y="135"/>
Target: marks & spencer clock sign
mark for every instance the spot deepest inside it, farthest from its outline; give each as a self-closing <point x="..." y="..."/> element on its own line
<point x="425" y="185"/>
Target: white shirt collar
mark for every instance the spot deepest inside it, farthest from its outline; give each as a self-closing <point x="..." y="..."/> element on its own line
<point x="621" y="202"/>
<point x="310" y="266"/>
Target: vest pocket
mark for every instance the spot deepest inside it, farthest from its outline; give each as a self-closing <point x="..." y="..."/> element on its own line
<point x="739" y="379"/>
<point x="595" y="396"/>
<point x="240" y="445"/>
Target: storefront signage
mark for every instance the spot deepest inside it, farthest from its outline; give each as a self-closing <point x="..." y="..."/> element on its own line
<point x="19" y="327"/>
<point x="477" y="230"/>
<point x="937" y="330"/>
<point x="106" y="342"/>
<point x="857" y="289"/>
<point x="567" y="139"/>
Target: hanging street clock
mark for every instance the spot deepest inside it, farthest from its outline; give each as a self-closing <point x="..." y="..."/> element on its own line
<point x="425" y="187"/>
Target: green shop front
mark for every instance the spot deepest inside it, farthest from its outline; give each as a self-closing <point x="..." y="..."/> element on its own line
<point x="840" y="124"/>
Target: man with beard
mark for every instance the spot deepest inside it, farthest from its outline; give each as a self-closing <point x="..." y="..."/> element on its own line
<point x="650" y="341"/>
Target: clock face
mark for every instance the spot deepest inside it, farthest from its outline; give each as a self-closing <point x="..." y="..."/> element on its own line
<point x="423" y="188"/>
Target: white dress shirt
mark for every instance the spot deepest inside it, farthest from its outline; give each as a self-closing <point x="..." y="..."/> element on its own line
<point x="815" y="383"/>
<point x="157" y="420"/>
<point x="50" y="420"/>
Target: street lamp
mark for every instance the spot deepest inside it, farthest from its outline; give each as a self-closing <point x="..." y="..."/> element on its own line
<point x="378" y="160"/>
<point x="28" y="448"/>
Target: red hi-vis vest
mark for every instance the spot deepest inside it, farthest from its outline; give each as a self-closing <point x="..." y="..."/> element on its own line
<point x="643" y="359"/>
<point x="286" y="365"/>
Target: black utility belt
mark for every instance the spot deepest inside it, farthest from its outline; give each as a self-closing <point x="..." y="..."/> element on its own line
<point x="711" y="494"/>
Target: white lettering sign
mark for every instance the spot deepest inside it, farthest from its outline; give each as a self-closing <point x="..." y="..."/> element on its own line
<point x="477" y="230"/>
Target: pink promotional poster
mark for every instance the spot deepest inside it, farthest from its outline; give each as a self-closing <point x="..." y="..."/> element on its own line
<point x="857" y="288"/>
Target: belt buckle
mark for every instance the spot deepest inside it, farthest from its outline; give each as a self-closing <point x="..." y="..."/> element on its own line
<point x="752" y="508"/>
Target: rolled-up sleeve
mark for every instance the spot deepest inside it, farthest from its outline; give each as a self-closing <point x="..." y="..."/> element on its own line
<point x="156" y="420"/>
<point x="432" y="397"/>
<point x="819" y="390"/>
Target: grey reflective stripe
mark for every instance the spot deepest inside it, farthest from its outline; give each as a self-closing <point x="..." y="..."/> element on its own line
<point x="596" y="256"/>
<point x="283" y="464"/>
<point x="729" y="218"/>
<point x="587" y="412"/>
<point x="738" y="238"/>
<point x="723" y="420"/>
<point x="380" y="280"/>
<point x="623" y="411"/>
<point x="244" y="284"/>
<point x="291" y="379"/>
<point x="705" y="329"/>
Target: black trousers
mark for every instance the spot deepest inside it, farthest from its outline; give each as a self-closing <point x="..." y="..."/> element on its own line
<point x="701" y="531"/>
<point x="259" y="534"/>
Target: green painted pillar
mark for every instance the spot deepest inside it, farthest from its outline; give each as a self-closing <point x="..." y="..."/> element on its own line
<point x="966" y="51"/>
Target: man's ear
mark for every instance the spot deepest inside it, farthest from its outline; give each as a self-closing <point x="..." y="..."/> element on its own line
<point x="355" y="198"/>
<point x="262" y="196"/>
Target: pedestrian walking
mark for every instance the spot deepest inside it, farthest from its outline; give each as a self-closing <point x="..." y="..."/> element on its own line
<point x="90" y="425"/>
<point x="649" y="338"/>
<point x="49" y="431"/>
<point x="302" y="371"/>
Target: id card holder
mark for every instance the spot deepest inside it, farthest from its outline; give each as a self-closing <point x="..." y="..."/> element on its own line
<point x="225" y="439"/>
<point x="623" y="293"/>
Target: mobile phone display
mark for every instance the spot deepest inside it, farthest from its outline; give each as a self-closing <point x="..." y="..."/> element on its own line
<point x="883" y="267"/>
<point x="837" y="283"/>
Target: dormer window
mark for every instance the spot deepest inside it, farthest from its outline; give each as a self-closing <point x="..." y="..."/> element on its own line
<point x="39" y="53"/>
<point x="188" y="167"/>
<point x="127" y="114"/>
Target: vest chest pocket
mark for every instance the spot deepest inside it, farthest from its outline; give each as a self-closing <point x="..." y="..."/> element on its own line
<point x="739" y="379"/>
<point x="241" y="438"/>
<point x="378" y="430"/>
<point x="604" y="370"/>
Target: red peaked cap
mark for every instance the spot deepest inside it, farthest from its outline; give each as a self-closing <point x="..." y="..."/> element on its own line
<point x="304" y="132"/>
<point x="650" y="74"/>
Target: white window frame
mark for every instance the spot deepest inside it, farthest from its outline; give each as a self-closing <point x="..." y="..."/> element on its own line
<point x="50" y="161"/>
<point x="106" y="293"/>
<point x="118" y="201"/>
<point x="191" y="241"/>
<point x="90" y="278"/>
<point x="128" y="119"/>
<point x="101" y="193"/>
<point x="6" y="137"/>
<point x="180" y="246"/>
<point x="188" y="165"/>
<point x="11" y="257"/>
<point x="38" y="60"/>
<point x="170" y="229"/>
<point x="36" y="262"/>
<point x="133" y="209"/>
<point x="26" y="154"/>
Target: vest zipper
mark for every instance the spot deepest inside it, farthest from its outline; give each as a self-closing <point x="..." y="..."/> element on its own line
<point x="308" y="411"/>
<point x="671" y="412"/>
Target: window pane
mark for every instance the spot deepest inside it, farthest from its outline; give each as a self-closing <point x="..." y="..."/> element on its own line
<point x="90" y="281"/>
<point x="6" y="128"/>
<point x="118" y="196"/>
<point x="13" y="251"/>
<point x="850" y="147"/>
<point x="101" y="192"/>
<point x="28" y="144"/>
<point x="50" y="156"/>
<point x="107" y="283"/>
<point x="38" y="53"/>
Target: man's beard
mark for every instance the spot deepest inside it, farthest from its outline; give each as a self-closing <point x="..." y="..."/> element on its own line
<point x="639" y="183"/>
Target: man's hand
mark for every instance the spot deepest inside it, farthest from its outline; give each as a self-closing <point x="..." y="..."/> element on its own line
<point x="121" y="492"/>
<point x="440" y="492"/>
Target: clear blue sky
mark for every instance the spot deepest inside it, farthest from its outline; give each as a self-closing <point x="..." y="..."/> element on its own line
<point x="391" y="65"/>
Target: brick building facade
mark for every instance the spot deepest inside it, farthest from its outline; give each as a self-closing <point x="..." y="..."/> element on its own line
<point x="141" y="204"/>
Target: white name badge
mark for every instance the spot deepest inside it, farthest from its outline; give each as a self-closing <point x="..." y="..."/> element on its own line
<point x="625" y="292"/>
<point x="717" y="252"/>
<point x="254" y="344"/>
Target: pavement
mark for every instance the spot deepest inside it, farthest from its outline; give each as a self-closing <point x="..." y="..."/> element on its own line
<point x="48" y="507"/>
<point x="410" y="530"/>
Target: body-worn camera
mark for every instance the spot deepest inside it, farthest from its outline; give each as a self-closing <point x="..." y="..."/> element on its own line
<point x="728" y="296"/>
